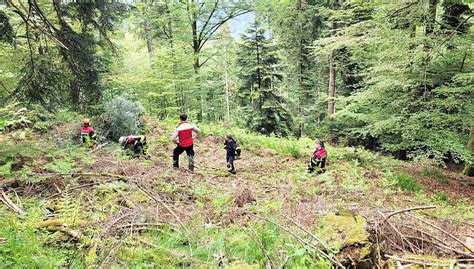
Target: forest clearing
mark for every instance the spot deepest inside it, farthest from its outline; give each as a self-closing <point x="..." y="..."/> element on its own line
<point x="236" y="134"/>
<point x="104" y="209"/>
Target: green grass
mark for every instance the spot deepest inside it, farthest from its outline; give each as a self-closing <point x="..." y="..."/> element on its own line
<point x="434" y="173"/>
<point x="441" y="196"/>
<point x="406" y="182"/>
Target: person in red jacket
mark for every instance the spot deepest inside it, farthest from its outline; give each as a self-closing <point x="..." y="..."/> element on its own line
<point x="87" y="134"/>
<point x="318" y="159"/>
<point x="183" y="138"/>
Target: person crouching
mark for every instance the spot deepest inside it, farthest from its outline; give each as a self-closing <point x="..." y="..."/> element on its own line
<point x="318" y="159"/>
<point x="136" y="143"/>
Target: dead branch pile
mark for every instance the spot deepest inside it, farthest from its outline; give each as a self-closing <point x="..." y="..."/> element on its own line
<point x="405" y="234"/>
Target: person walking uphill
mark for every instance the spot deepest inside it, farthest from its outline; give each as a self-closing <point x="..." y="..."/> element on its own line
<point x="183" y="138"/>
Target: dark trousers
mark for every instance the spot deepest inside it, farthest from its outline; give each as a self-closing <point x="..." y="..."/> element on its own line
<point x="189" y="151"/>
<point x="318" y="164"/>
<point x="230" y="161"/>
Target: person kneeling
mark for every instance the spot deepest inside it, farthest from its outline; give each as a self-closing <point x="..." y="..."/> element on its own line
<point x="136" y="143"/>
<point x="318" y="159"/>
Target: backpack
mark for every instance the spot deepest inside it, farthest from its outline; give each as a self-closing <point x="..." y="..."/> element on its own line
<point x="237" y="150"/>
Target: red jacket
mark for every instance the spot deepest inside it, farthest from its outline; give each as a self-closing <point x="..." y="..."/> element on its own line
<point x="87" y="130"/>
<point x="183" y="135"/>
<point x="320" y="154"/>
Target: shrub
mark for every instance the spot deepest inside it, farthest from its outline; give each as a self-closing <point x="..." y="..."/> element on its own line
<point x="14" y="116"/>
<point x="441" y="197"/>
<point x="407" y="183"/>
<point x="434" y="173"/>
<point x="122" y="117"/>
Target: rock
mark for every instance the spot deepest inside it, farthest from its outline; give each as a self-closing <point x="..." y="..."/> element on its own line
<point x="345" y="230"/>
<point x="43" y="117"/>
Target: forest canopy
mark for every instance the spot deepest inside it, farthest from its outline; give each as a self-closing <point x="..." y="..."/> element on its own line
<point x="395" y="77"/>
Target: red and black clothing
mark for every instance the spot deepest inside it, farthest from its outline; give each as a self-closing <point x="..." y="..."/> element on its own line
<point x="183" y="137"/>
<point x="318" y="160"/>
<point x="88" y="136"/>
<point x="137" y="142"/>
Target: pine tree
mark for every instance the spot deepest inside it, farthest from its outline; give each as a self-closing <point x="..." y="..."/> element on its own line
<point x="264" y="109"/>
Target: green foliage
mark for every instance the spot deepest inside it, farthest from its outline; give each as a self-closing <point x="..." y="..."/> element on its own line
<point x="434" y="173"/>
<point x="63" y="166"/>
<point x="122" y="117"/>
<point x="405" y="182"/>
<point x="6" y="30"/>
<point x="5" y="169"/>
<point x="441" y="197"/>
<point x="26" y="246"/>
<point x="264" y="110"/>
<point x="413" y="98"/>
<point x="13" y="116"/>
<point x="250" y="141"/>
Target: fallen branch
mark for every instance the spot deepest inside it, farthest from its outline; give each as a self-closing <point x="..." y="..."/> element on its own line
<point x="78" y="174"/>
<point x="78" y="187"/>
<point x="167" y="251"/>
<point x="164" y="205"/>
<point x="400" y="234"/>
<point x="100" y="147"/>
<point x="333" y="260"/>
<point x="306" y="231"/>
<point x="407" y="210"/>
<point x="111" y="253"/>
<point x="139" y="225"/>
<point x="427" y="263"/>
<point x="441" y="230"/>
<point x="442" y="243"/>
<point x="261" y="246"/>
<point x="50" y="223"/>
<point x="4" y="198"/>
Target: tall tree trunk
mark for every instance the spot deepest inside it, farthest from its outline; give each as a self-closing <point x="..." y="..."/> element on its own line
<point x="149" y="41"/>
<point x="431" y="17"/>
<point x="226" y="77"/>
<point x="147" y="30"/>
<point x="469" y="167"/>
<point x="301" y="86"/>
<point x="332" y="85"/>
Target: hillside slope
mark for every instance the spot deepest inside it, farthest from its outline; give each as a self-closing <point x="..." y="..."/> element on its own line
<point x="103" y="209"/>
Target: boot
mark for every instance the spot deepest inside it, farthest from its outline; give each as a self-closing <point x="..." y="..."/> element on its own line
<point x="191" y="163"/>
<point x="176" y="164"/>
<point x="310" y="169"/>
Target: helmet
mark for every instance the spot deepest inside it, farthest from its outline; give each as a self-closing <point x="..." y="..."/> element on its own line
<point x="86" y="121"/>
<point x="122" y="139"/>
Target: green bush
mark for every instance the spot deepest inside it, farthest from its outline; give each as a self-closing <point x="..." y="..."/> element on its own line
<point x="406" y="182"/>
<point x="441" y="197"/>
<point x="14" y="116"/>
<point x="122" y="117"/>
<point x="434" y="173"/>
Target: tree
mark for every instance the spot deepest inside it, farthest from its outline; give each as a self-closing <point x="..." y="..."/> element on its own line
<point x="264" y="109"/>
<point x="72" y="28"/>
<point x="296" y="25"/>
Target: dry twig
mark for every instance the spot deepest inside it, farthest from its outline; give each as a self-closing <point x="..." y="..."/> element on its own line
<point x="4" y="198"/>
<point x="407" y="210"/>
<point x="333" y="260"/>
<point x="441" y="230"/>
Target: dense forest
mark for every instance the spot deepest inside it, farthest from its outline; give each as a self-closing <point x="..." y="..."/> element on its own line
<point x="387" y="85"/>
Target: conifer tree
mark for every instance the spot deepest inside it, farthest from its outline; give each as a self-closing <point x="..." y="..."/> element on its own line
<point x="264" y="109"/>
